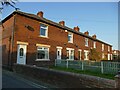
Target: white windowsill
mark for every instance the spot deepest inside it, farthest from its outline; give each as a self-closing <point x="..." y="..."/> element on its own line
<point x="86" y="45"/>
<point x="43" y="36"/>
<point x="42" y="60"/>
<point x="70" y="42"/>
<point x="70" y="59"/>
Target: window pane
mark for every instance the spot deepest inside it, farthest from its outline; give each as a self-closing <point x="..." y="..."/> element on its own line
<point x="42" y="53"/>
<point x="69" y="38"/>
<point x="86" y="42"/>
<point x="21" y="52"/>
<point x="43" y="26"/>
<point x="67" y="54"/>
<point x="43" y="32"/>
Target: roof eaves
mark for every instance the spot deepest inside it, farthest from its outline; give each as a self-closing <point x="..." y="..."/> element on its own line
<point x="51" y="22"/>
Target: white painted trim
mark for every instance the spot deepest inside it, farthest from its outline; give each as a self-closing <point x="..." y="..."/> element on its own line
<point x="59" y="47"/>
<point x="79" y="50"/>
<point x="84" y="54"/>
<point x="70" y="48"/>
<point x="86" y="50"/>
<point x="45" y="32"/>
<point x="87" y="42"/>
<point x="66" y="31"/>
<point x="43" y="45"/>
<point x="72" y="37"/>
<point x="42" y="60"/>
<point x="94" y="44"/>
<point x="24" y="43"/>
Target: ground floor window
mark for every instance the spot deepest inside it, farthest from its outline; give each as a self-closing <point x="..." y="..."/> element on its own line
<point x="70" y="53"/>
<point x="86" y="55"/>
<point x="42" y="53"/>
<point x="103" y="55"/>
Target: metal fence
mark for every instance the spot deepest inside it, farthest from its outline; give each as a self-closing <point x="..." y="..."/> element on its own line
<point x="106" y="67"/>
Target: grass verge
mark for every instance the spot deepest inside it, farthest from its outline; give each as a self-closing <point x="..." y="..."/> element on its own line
<point x="108" y="76"/>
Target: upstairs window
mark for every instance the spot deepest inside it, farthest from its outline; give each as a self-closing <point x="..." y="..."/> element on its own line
<point x="43" y="30"/>
<point x="102" y="47"/>
<point x="86" y="41"/>
<point x="103" y="55"/>
<point x="94" y="44"/>
<point x="70" y="37"/>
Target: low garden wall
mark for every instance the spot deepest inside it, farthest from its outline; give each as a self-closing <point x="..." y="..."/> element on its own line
<point x="63" y="79"/>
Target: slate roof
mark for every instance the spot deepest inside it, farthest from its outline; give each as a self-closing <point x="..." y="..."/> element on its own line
<point x="35" y="17"/>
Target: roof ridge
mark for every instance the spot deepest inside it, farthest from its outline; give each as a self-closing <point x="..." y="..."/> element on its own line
<point x="56" y="24"/>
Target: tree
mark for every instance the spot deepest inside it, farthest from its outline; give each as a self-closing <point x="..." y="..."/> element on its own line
<point x="94" y="55"/>
<point x="8" y="3"/>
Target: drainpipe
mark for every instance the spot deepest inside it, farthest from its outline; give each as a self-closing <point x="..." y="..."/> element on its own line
<point x="9" y="50"/>
<point x="12" y="42"/>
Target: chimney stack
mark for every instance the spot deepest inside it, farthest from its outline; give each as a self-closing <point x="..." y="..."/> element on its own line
<point x="94" y="36"/>
<point x="76" y="29"/>
<point x="40" y="14"/>
<point x="62" y="23"/>
<point x="86" y="33"/>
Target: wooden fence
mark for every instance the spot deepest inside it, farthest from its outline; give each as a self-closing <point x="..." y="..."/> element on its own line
<point x="104" y="67"/>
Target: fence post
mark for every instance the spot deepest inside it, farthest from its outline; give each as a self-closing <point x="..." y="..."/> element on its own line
<point x="67" y="64"/>
<point x="82" y="65"/>
<point x="117" y="80"/>
<point x="102" y="71"/>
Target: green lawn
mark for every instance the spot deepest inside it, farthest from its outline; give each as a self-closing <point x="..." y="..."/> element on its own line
<point x="108" y="76"/>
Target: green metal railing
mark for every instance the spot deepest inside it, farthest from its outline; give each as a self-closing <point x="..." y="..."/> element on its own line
<point x="105" y="67"/>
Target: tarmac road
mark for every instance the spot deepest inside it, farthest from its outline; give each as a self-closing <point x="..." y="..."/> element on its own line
<point x="12" y="80"/>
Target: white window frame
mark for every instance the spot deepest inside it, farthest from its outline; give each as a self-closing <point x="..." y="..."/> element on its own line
<point x="60" y="48"/>
<point x="71" y="34"/>
<point x="109" y="56"/>
<point x="94" y="44"/>
<point x="103" y="47"/>
<point x="79" y="50"/>
<point x="43" y="46"/>
<point x="70" y="49"/>
<point x="103" y="55"/>
<point x="45" y="32"/>
<point x="86" y="51"/>
<point x="86" y="42"/>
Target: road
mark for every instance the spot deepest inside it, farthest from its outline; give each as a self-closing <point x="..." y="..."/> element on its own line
<point x="13" y="80"/>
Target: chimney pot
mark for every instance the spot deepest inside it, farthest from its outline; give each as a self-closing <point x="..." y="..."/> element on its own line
<point x="94" y="36"/>
<point x="62" y="23"/>
<point x="86" y="33"/>
<point x="40" y="14"/>
<point x="76" y="29"/>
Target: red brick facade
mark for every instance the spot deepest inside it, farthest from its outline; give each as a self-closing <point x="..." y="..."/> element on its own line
<point x="15" y="29"/>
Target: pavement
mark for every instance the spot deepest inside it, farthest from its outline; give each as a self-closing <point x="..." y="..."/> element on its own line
<point x="13" y="80"/>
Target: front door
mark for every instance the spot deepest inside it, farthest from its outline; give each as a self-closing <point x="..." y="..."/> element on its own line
<point x="58" y="53"/>
<point x="21" y="54"/>
<point x="108" y="56"/>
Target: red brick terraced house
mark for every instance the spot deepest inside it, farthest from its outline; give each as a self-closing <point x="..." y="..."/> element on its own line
<point x="116" y="54"/>
<point x="34" y="40"/>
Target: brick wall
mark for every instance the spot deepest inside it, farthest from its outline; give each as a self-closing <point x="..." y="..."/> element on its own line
<point x="56" y="37"/>
<point x="63" y="79"/>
